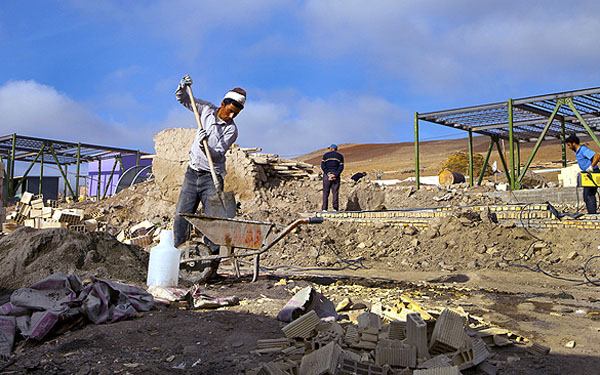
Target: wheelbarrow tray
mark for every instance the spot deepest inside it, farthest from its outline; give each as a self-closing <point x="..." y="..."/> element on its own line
<point x="231" y="232"/>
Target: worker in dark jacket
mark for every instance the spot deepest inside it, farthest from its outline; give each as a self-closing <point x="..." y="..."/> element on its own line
<point x="332" y="166"/>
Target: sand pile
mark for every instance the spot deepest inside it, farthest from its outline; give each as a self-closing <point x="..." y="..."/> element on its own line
<point x="29" y="255"/>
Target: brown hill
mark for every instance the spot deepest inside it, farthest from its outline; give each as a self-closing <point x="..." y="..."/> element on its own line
<point x="397" y="160"/>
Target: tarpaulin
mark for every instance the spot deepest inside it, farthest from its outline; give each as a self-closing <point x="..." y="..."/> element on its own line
<point x="36" y="310"/>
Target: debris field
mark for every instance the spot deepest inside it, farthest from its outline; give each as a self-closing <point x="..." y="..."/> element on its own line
<point x="442" y="280"/>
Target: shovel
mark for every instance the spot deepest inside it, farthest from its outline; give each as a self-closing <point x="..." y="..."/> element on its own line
<point x="223" y="203"/>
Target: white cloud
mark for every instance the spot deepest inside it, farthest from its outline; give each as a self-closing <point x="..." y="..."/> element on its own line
<point x="34" y="109"/>
<point x="438" y="44"/>
<point x="295" y="128"/>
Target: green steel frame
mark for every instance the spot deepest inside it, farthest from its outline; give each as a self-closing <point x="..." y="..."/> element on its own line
<point x="528" y="119"/>
<point x="34" y="150"/>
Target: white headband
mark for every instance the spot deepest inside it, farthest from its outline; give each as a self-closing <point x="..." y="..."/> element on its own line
<point x="236" y="96"/>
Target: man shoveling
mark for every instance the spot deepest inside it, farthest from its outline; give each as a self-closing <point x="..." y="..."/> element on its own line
<point x="220" y="131"/>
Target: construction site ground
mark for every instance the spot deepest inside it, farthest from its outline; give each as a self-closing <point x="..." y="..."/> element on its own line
<point x="458" y="261"/>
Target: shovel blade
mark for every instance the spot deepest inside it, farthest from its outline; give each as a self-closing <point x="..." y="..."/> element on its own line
<point x="218" y="207"/>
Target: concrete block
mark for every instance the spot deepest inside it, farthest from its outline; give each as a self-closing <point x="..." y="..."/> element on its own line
<point x="395" y="353"/>
<point x="352" y="336"/>
<point x="397" y="330"/>
<point x="537" y="349"/>
<point x="139" y="241"/>
<point x="77" y="228"/>
<point x="66" y="217"/>
<point x="272" y="345"/>
<point x="37" y="204"/>
<point x="322" y="361"/>
<point x="416" y="335"/>
<point x="454" y="370"/>
<point x="448" y="333"/>
<point x="369" y="320"/>
<point x="9" y="227"/>
<point x="141" y="228"/>
<point x="270" y="369"/>
<point x="52" y="203"/>
<point x="349" y="366"/>
<point x="49" y="224"/>
<point x="325" y="337"/>
<point x="35" y="213"/>
<point x="440" y="360"/>
<point x="302" y="327"/>
<point x="47" y="212"/>
<point x="26" y="197"/>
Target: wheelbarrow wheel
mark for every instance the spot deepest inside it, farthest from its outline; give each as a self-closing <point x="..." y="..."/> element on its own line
<point x="197" y="271"/>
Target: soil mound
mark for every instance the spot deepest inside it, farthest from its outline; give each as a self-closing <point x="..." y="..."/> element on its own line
<point x="29" y="255"/>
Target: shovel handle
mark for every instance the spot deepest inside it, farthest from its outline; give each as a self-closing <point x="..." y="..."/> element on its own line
<point x="205" y="144"/>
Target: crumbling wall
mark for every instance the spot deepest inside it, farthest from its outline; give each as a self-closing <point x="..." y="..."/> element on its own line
<point x="246" y="171"/>
<point x="172" y="148"/>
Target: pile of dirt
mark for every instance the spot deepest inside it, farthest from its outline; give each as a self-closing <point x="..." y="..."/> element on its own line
<point x="29" y="255"/>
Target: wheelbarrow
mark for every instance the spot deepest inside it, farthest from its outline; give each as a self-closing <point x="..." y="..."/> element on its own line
<point x="197" y="264"/>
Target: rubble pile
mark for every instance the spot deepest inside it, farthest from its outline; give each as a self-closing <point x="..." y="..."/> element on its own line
<point x="403" y="339"/>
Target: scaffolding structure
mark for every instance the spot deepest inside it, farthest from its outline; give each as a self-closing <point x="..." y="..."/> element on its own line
<point x="529" y="119"/>
<point x="34" y="150"/>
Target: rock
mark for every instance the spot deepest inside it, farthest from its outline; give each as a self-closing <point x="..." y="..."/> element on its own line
<point x="344" y="305"/>
<point x="410" y="230"/>
<point x="570" y="344"/>
<point x="572" y="255"/>
<point x="415" y="242"/>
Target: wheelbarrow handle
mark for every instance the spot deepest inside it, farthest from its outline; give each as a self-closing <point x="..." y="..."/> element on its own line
<point x="315" y="220"/>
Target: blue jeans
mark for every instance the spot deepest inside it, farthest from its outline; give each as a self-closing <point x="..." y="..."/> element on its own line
<point x="197" y="187"/>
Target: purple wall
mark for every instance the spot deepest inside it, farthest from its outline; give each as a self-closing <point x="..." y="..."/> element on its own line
<point x="106" y="166"/>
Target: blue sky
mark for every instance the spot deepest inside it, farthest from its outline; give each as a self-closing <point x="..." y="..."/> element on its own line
<point x="316" y="71"/>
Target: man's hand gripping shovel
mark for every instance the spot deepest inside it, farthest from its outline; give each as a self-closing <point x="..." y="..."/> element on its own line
<point x="223" y="203"/>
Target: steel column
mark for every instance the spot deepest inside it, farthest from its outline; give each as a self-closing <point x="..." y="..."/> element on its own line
<point x="470" y="157"/>
<point x="485" y="162"/>
<point x="40" y="152"/>
<point x="77" y="171"/>
<point x="137" y="158"/>
<point x="502" y="160"/>
<point x="61" y="171"/>
<point x="41" y="172"/>
<point x="518" y="156"/>
<point x="11" y="178"/>
<point x="540" y="139"/>
<point x="569" y="101"/>
<point x="112" y="172"/>
<point x="511" y="140"/>
<point x="562" y="139"/>
<point x="417" y="177"/>
<point x="99" y="174"/>
<point x="65" y="187"/>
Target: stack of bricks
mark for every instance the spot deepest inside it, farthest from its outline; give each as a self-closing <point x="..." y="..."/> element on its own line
<point x="532" y="215"/>
<point x="373" y="347"/>
<point x="32" y="211"/>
